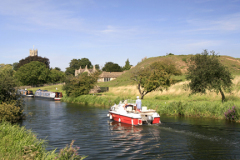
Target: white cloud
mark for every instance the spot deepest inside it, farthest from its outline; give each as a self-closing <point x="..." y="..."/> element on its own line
<point x="223" y="24"/>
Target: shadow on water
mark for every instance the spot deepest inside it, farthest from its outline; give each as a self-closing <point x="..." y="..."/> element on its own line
<point x="101" y="138"/>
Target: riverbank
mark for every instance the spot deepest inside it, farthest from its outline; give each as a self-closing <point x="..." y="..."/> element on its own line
<point x="19" y="143"/>
<point x="208" y="109"/>
<point x="174" y="101"/>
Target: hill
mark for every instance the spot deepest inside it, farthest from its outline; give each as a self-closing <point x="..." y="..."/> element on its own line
<point x="180" y="61"/>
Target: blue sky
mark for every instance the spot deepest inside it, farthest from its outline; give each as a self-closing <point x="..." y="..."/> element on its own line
<point x="117" y="30"/>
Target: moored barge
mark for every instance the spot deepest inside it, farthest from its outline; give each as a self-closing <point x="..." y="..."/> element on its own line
<point x="25" y="93"/>
<point x="44" y="94"/>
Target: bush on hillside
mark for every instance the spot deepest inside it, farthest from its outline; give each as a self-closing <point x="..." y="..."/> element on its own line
<point x="184" y="59"/>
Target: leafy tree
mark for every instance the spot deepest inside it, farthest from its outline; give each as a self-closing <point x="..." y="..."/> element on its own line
<point x="10" y="102"/>
<point x="6" y="68"/>
<point x="33" y="73"/>
<point x="85" y="62"/>
<point x="207" y="73"/>
<point x="80" y="85"/>
<point x="127" y="65"/>
<point x="57" y="68"/>
<point x="97" y="66"/>
<point x="33" y="58"/>
<point x="76" y="63"/>
<point x="7" y="83"/>
<point x="112" y="67"/>
<point x="70" y="71"/>
<point x="155" y="77"/>
<point x="15" y="66"/>
<point x="169" y="54"/>
<point x="56" y="76"/>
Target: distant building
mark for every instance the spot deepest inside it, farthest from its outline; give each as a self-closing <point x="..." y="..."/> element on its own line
<point x="33" y="52"/>
<point x="108" y="76"/>
<point x="89" y="71"/>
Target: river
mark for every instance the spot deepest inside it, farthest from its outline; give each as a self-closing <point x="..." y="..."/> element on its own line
<point x="99" y="138"/>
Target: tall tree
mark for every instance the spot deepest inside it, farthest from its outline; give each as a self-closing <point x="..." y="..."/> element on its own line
<point x="76" y="63"/>
<point x="33" y="73"/>
<point x="10" y="102"/>
<point x="6" y="67"/>
<point x="57" y="68"/>
<point x="127" y="65"/>
<point x="112" y="67"/>
<point x="156" y="76"/>
<point x="7" y="83"/>
<point x="34" y="58"/>
<point x="15" y="66"/>
<point x="56" y="75"/>
<point x="207" y="73"/>
<point x="97" y="66"/>
<point x="85" y="62"/>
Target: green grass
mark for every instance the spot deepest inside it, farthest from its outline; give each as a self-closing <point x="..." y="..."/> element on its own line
<point x="49" y="88"/>
<point x="210" y="109"/>
<point x="19" y="143"/>
<point x="165" y="105"/>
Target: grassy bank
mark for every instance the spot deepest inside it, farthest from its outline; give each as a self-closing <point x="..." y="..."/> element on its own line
<point x="174" y="101"/>
<point x="19" y="143"/>
<point x="210" y="109"/>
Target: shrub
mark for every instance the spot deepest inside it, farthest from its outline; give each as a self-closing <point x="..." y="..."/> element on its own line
<point x="184" y="59"/>
<point x="169" y="54"/>
<point x="10" y="112"/>
<point x="231" y="114"/>
<point x="80" y="85"/>
<point x="162" y="97"/>
<point x="69" y="152"/>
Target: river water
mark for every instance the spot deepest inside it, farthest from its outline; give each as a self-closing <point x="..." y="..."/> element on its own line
<point x="99" y="138"/>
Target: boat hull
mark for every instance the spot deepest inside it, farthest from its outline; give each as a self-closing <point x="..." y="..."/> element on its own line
<point x="125" y="119"/>
<point x="131" y="120"/>
<point x="156" y="120"/>
<point x="126" y="113"/>
<point x="44" y="94"/>
<point x="46" y="98"/>
<point x="30" y="96"/>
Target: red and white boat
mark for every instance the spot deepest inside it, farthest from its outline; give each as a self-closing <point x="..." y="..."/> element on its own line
<point x="126" y="113"/>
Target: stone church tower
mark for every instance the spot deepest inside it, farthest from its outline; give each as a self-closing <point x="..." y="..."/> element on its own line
<point x="33" y="52"/>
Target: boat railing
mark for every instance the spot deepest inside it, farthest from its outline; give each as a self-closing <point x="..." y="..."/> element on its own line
<point x="131" y="101"/>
